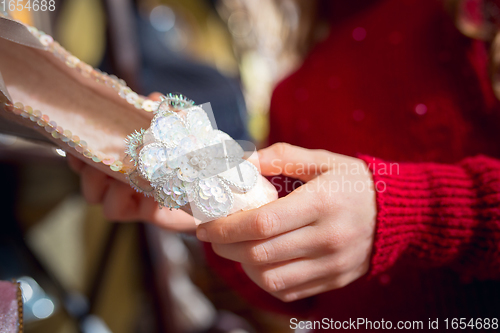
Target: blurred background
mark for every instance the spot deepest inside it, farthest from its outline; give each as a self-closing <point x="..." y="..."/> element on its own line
<point x="80" y="273"/>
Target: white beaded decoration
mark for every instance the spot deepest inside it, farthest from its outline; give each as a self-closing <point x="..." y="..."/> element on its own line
<point x="189" y="161"/>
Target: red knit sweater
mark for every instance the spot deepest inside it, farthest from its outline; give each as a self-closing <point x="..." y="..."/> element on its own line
<point x="396" y="80"/>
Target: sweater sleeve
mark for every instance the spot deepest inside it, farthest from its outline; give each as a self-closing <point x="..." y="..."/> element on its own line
<point x="438" y="215"/>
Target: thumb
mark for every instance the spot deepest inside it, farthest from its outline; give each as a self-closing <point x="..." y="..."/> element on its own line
<point x="295" y="162"/>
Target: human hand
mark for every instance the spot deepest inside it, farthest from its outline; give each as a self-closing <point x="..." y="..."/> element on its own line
<point x="317" y="238"/>
<point x="121" y="203"/>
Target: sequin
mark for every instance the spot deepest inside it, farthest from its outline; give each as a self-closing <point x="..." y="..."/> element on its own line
<point x="216" y="191"/>
<point x="34" y="31"/>
<point x="190" y="171"/>
<point x="72" y="61"/>
<point x="18" y="107"/>
<point x="214" y="200"/>
<point x="207" y="190"/>
<point x="46" y="40"/>
<point x="131" y="97"/>
<point x="199" y="123"/>
<point x="66" y="136"/>
<point x="51" y="126"/>
<point x="116" y="166"/>
<point x="138" y="102"/>
<point x="37" y="114"/>
<point x="202" y="194"/>
<point x="169" y="129"/>
<point x="153" y="162"/>
<point x="108" y="160"/>
<point x="149" y="105"/>
<point x="124" y="91"/>
<point x="191" y="143"/>
<point x="177" y="190"/>
<point x="184" y="176"/>
<point x="58" y="133"/>
<point x="97" y="158"/>
<point x="43" y="121"/>
<point x="167" y="188"/>
<point x="28" y="110"/>
<point x="87" y="153"/>
<point x="221" y="198"/>
<point x="75" y="140"/>
<point x="211" y="182"/>
<point x="174" y="193"/>
<point x="182" y="200"/>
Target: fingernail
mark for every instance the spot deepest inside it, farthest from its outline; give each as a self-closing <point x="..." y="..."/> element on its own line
<point x="202" y="235"/>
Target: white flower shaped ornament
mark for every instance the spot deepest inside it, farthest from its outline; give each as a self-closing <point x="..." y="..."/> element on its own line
<point x="184" y="160"/>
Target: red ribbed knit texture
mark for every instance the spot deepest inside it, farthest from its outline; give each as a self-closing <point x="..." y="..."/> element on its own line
<point x="440" y="215"/>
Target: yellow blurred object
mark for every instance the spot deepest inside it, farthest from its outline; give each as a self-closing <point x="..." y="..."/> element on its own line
<point x="258" y="81"/>
<point x="81" y="30"/>
<point x="258" y="126"/>
<point x="24" y="16"/>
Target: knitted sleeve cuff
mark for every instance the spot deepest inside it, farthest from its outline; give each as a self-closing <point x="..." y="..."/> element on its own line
<point x="438" y="215"/>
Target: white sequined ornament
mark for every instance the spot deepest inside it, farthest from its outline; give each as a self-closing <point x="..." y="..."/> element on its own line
<point x="186" y="160"/>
